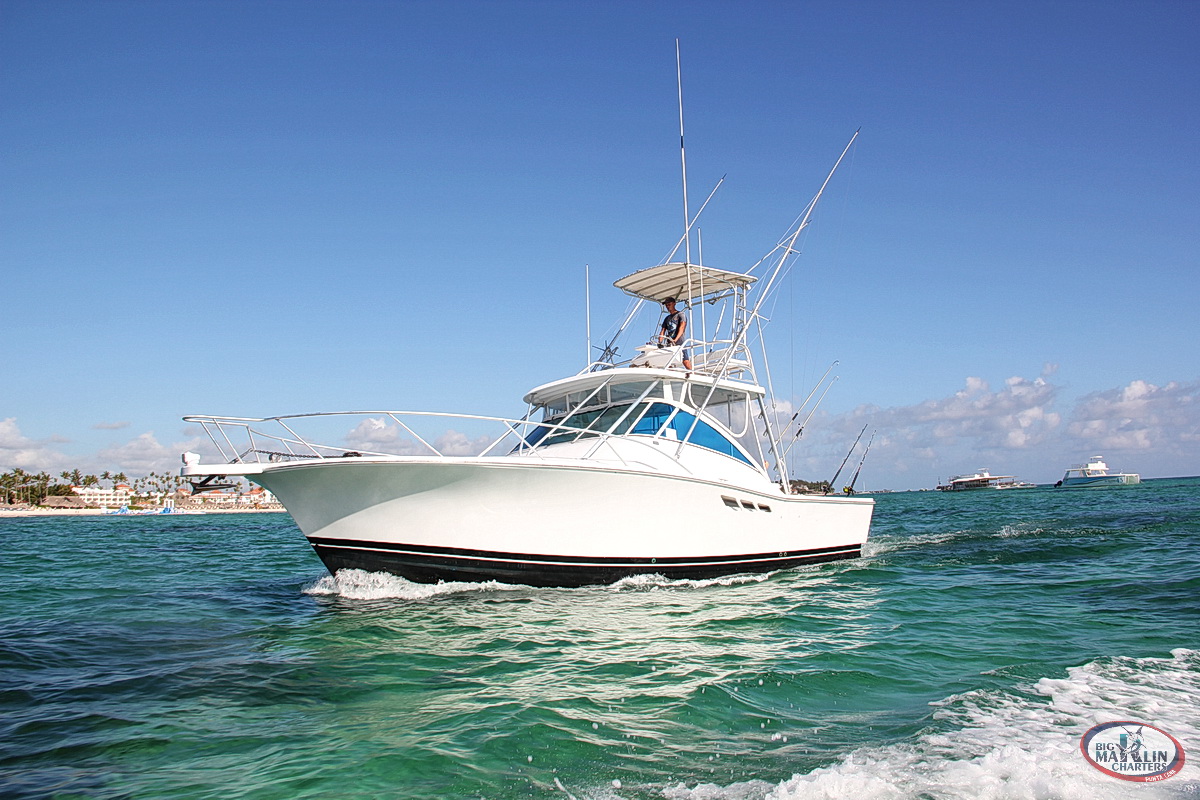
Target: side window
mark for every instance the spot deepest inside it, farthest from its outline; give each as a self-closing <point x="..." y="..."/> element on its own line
<point x="704" y="435"/>
<point x="653" y="420"/>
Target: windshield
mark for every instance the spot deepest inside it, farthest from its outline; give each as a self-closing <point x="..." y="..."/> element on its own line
<point x="648" y="419"/>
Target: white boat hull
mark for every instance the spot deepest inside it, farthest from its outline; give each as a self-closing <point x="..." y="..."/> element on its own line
<point x="1127" y="479"/>
<point x="504" y="519"/>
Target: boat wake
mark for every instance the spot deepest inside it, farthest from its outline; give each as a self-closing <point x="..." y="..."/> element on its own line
<point x="651" y="583"/>
<point x="357" y="584"/>
<point x="992" y="744"/>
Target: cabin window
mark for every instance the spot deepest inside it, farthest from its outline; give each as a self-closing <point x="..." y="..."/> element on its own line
<point x="626" y="392"/>
<point x="704" y="435"/>
<point x="589" y="423"/>
<point x="596" y="421"/>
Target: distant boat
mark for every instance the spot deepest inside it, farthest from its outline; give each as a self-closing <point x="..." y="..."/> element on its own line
<point x="1095" y="473"/>
<point x="983" y="480"/>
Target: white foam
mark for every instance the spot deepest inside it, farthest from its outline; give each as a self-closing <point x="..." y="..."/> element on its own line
<point x="881" y="545"/>
<point x="1012" y="531"/>
<point x="357" y="584"/>
<point x="655" y="581"/>
<point x="992" y="745"/>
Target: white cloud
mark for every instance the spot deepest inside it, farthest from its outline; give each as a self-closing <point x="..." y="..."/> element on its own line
<point x="1019" y="415"/>
<point x="373" y="433"/>
<point x="17" y="451"/>
<point x="1139" y="416"/>
<point x="453" y="443"/>
<point x="1020" y="427"/>
<point x="110" y="426"/>
<point x="376" y="434"/>
<point x="139" y="456"/>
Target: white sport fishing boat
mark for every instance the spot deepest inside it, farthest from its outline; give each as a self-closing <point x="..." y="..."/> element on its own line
<point x="629" y="467"/>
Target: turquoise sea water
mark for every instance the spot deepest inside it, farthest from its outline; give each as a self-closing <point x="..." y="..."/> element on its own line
<point x="963" y="656"/>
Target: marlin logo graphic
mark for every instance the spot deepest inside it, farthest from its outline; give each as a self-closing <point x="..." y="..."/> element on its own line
<point x="1132" y="751"/>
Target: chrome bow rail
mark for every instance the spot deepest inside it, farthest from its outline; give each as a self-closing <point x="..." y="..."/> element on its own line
<point x="258" y="440"/>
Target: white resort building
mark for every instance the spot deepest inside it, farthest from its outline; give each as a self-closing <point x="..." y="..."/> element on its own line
<point x="118" y="495"/>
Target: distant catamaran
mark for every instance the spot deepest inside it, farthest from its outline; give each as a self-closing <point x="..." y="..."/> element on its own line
<point x="629" y="467"/>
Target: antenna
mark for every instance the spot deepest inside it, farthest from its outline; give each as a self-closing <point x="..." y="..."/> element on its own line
<point x="687" y="219"/>
<point x="587" y="304"/>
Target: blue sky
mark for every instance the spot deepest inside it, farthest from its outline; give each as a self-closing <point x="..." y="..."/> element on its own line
<point x="253" y="208"/>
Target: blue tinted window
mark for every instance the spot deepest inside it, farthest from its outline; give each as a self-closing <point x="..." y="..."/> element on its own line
<point x="704" y="434"/>
<point x="653" y="420"/>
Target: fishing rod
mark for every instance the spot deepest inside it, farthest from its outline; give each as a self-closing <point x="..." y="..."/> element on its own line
<point x="800" y="430"/>
<point x="847" y="458"/>
<point x="850" y="488"/>
<point x="816" y="386"/>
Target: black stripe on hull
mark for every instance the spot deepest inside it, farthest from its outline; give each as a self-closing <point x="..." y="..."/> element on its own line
<point x="429" y="565"/>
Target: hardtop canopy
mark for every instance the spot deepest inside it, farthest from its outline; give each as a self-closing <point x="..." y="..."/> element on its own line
<point x="586" y="382"/>
<point x="684" y="282"/>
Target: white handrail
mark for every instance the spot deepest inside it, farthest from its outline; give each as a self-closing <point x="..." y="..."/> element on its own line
<point x="226" y="425"/>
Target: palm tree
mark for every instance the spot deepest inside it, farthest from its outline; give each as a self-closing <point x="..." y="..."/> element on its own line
<point x="15" y="479"/>
<point x="42" y="485"/>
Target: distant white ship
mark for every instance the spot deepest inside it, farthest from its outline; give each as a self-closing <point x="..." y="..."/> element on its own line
<point x="1095" y="473"/>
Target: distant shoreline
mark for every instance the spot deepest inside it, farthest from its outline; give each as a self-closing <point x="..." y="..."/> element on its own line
<point x="17" y="511"/>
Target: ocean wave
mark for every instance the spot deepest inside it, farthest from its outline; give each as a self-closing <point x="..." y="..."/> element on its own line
<point x="990" y="744"/>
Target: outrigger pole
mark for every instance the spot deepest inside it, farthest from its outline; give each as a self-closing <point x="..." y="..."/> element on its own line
<point x="789" y="247"/>
<point x="788" y="244"/>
